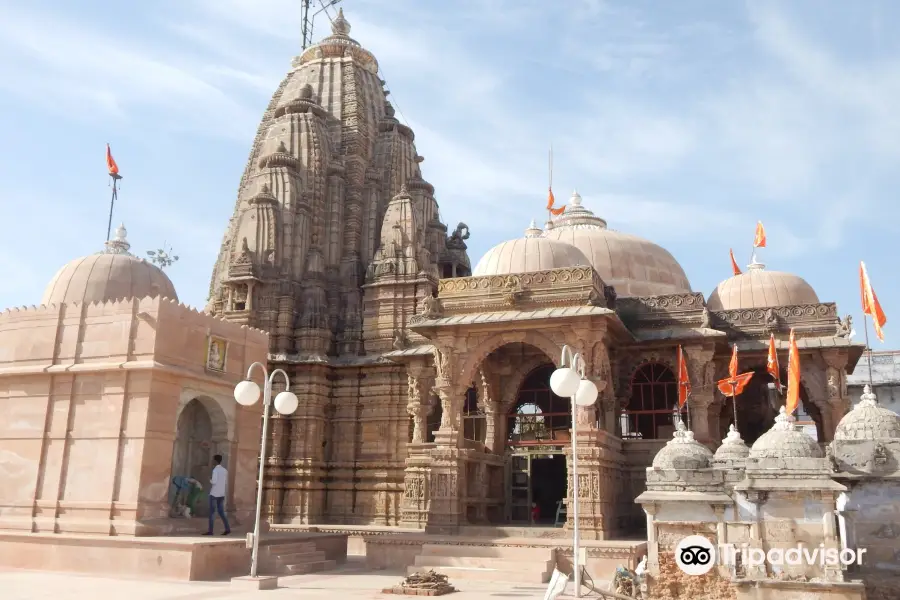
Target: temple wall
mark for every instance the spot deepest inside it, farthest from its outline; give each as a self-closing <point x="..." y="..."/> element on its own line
<point x="89" y="401"/>
<point x="873" y="523"/>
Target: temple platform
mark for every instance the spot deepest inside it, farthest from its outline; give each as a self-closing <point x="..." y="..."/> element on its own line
<point x="523" y="554"/>
<point x="185" y="557"/>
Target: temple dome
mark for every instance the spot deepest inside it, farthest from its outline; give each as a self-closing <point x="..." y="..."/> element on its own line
<point x="784" y="440"/>
<point x="113" y="274"/>
<point x="683" y="452"/>
<point x="868" y="421"/>
<point x="759" y="288"/>
<point x="632" y="265"/>
<point x="528" y="254"/>
<point x="732" y="447"/>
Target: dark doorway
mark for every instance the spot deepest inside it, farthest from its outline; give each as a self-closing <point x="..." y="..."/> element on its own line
<point x="548" y="483"/>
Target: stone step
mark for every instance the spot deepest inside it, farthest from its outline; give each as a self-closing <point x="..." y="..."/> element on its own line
<point x="513" y="574"/>
<point x="286" y="548"/>
<point x="484" y="562"/>
<point x="505" y="552"/>
<point x="291" y="558"/>
<point x="310" y="567"/>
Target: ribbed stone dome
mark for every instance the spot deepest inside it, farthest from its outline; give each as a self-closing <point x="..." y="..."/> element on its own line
<point x="784" y="440"/>
<point x="759" y="288"/>
<point x="868" y="421"/>
<point x="733" y="447"/>
<point x="110" y="275"/>
<point x="528" y="254"/>
<point x="632" y="265"/>
<point x="683" y="452"/>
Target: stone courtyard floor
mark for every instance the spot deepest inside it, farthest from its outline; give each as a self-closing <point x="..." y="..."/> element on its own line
<point x="350" y="581"/>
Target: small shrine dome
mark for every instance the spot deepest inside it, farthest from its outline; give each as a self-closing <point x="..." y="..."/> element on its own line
<point x="759" y="288"/>
<point x="683" y="452"/>
<point x="113" y="274"/>
<point x="785" y="440"/>
<point x="528" y="254"/>
<point x="732" y="448"/>
<point x="630" y="264"/>
<point x="868" y="421"/>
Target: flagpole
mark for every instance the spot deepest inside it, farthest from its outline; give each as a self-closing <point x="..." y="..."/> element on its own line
<point x="550" y="184"/>
<point x="868" y="348"/>
<point x="115" y="177"/>
<point x="734" y="402"/>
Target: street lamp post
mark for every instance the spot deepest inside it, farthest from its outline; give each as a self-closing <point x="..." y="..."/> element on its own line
<point x="569" y="382"/>
<point x="246" y="393"/>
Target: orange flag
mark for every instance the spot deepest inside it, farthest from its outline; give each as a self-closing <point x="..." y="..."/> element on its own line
<point x="551" y="200"/>
<point x="735" y="387"/>
<point x="734" y="266"/>
<point x="759" y="240"/>
<point x="734" y="384"/>
<point x="111" y="165"/>
<point x="870" y="304"/>
<point x="792" y="399"/>
<point x="772" y="363"/>
<point x="684" y="380"/>
<point x="733" y="365"/>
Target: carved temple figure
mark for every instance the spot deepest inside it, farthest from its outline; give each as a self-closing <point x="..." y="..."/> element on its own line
<point x="772" y="320"/>
<point x="458" y="237"/>
<point x="430" y="307"/>
<point x="844" y="327"/>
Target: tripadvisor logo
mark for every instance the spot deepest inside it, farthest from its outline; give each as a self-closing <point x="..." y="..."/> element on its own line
<point x="696" y="555"/>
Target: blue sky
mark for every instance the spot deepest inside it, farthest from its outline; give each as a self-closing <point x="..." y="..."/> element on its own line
<point x="682" y="122"/>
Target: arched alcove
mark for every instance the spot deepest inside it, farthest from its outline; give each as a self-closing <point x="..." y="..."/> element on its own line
<point x="201" y="432"/>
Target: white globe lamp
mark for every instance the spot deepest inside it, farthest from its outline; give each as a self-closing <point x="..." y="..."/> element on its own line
<point x="587" y="393"/>
<point x="246" y="393"/>
<point x="564" y="382"/>
<point x="286" y="402"/>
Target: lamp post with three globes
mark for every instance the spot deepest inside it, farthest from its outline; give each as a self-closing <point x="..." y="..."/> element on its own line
<point x="246" y="393"/>
<point x="568" y="381"/>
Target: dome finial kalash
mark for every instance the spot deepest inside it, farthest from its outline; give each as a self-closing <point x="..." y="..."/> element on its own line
<point x="119" y="244"/>
<point x="340" y="25"/>
<point x="533" y="230"/>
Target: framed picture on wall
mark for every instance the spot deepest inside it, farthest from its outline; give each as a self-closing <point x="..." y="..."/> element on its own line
<point x="216" y="353"/>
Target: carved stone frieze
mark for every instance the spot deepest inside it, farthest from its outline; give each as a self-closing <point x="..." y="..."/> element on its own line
<point x="815" y="316"/>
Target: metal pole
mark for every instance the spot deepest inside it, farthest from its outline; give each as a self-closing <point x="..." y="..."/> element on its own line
<point x="734" y="403"/>
<point x="576" y="563"/>
<point x="112" y="202"/>
<point x="868" y="350"/>
<point x="267" y="399"/>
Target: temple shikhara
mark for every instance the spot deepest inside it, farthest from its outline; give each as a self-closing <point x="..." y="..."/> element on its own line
<point x="427" y="430"/>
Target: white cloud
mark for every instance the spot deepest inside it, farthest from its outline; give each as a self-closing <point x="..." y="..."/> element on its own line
<point x="83" y="65"/>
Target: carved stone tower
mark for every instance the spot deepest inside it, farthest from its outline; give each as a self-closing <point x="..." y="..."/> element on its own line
<point x="332" y="191"/>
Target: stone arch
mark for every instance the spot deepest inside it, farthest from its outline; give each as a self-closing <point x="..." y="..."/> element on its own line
<point x="476" y="356"/>
<point x="202" y="430"/>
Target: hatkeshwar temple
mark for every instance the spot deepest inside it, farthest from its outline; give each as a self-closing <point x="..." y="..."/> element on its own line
<point x="427" y="434"/>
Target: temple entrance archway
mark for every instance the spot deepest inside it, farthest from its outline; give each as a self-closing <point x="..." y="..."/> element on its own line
<point x="201" y="432"/>
<point x="538" y="428"/>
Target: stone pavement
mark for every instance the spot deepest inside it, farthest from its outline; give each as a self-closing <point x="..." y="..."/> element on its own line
<point x="351" y="581"/>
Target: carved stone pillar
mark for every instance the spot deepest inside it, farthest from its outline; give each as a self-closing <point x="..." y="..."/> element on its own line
<point x="452" y="402"/>
<point x="701" y="370"/>
<point x="417" y="404"/>
<point x="599" y="475"/>
<point x="836" y="384"/>
<point x="652" y="543"/>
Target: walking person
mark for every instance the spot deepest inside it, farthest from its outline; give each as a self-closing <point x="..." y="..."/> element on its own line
<point x="219" y="486"/>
